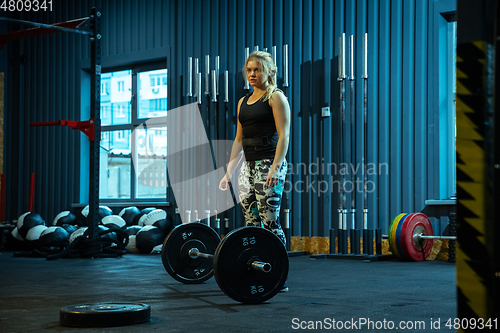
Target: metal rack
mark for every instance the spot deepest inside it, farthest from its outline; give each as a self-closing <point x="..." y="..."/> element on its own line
<point x="90" y="26"/>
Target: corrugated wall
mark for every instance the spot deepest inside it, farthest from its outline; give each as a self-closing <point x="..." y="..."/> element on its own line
<point x="403" y="117"/>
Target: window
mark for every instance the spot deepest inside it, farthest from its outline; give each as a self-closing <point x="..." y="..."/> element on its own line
<point x="452" y="53"/>
<point x="104" y="88"/>
<point x="133" y="96"/>
<point x="447" y="105"/>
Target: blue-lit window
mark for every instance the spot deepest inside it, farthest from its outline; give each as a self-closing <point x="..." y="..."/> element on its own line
<point x="130" y="97"/>
<point x="447" y="105"/>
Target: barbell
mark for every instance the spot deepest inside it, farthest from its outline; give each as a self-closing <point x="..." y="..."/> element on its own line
<point x="250" y="264"/>
<point x="411" y="236"/>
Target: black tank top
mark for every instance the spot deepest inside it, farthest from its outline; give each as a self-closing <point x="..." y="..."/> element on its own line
<point x="257" y="121"/>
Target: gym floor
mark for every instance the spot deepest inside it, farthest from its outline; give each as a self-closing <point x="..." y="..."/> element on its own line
<point x="379" y="293"/>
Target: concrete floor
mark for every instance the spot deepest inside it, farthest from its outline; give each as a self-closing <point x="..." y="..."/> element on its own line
<point x="33" y="290"/>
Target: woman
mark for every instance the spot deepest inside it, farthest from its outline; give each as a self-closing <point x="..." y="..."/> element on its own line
<point x="263" y="130"/>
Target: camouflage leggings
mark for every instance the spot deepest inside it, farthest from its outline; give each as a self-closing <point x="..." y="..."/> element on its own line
<point x="261" y="203"/>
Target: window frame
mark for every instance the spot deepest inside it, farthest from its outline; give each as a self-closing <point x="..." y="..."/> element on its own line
<point x="135" y="121"/>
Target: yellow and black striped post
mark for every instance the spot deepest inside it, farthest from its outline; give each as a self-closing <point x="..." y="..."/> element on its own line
<point x="477" y="254"/>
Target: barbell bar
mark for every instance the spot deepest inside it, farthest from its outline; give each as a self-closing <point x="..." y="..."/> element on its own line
<point x="250" y="264"/>
<point x="422" y="236"/>
<point x="253" y="264"/>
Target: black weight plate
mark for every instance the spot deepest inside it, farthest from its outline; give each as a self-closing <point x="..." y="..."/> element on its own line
<point x="104" y="314"/>
<point x="232" y="271"/>
<point x="175" y="257"/>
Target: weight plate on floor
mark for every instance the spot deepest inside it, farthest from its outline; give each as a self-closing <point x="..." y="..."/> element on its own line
<point x="403" y="253"/>
<point x="232" y="270"/>
<point x="418" y="224"/>
<point x="104" y="314"/>
<point x="175" y="252"/>
<point x="392" y="235"/>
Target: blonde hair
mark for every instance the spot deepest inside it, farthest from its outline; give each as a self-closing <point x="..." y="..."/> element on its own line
<point x="267" y="66"/>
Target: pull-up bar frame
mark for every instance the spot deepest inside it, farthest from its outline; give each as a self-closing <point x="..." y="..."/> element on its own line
<point x="92" y="127"/>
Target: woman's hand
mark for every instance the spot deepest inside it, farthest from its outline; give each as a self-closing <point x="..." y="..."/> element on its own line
<point x="272" y="177"/>
<point x="224" y="183"/>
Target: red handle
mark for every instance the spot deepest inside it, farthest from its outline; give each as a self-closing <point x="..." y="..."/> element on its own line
<point x="86" y="126"/>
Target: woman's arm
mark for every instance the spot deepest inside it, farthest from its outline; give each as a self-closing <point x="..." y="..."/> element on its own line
<point x="281" y="112"/>
<point x="236" y="152"/>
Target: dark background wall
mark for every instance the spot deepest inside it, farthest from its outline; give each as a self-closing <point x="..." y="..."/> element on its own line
<point x="406" y="118"/>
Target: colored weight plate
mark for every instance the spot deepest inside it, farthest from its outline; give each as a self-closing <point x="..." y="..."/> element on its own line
<point x="104" y="314"/>
<point x="175" y="252"/>
<point x="392" y="235"/>
<point x="391" y="230"/>
<point x="233" y="274"/>
<point x="403" y="254"/>
<point x="402" y="239"/>
<point x="418" y="224"/>
<point x="394" y="229"/>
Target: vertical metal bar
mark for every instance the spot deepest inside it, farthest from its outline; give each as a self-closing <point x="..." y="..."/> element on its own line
<point x="341" y="78"/>
<point x="226" y="86"/>
<point x="217" y="63"/>
<point x="208" y="216"/>
<point x="264" y="49"/>
<point x="256" y="48"/>
<point x="198" y="87"/>
<point x="351" y="58"/>
<point x="217" y="225"/>
<point x="352" y="143"/>
<point x="214" y="86"/>
<point x="364" y="76"/>
<point x="190" y="76"/>
<point x="365" y="56"/>
<point x="207" y="75"/>
<point x="344" y="232"/>
<point x="287" y="229"/>
<point x="247" y="54"/>
<point x="196" y="71"/>
<point x="342" y="74"/>
<point x="95" y="117"/>
<point x="274" y="54"/>
<point x="285" y="65"/>
<point x="344" y="150"/>
<point x="367" y="233"/>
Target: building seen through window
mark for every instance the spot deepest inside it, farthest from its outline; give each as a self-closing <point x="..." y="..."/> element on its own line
<point x="121" y="113"/>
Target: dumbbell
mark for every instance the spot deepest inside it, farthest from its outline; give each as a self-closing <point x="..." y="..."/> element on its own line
<point x="250" y="264"/>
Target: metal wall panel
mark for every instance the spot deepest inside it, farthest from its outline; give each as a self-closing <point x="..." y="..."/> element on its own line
<point x="403" y="119"/>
